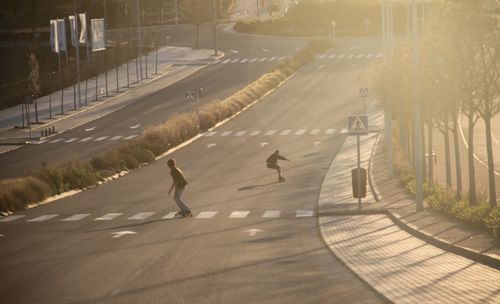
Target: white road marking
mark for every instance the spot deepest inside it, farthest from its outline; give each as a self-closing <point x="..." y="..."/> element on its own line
<point x="90" y="129"/>
<point x="39" y="142"/>
<point x="340" y="56"/>
<point x="244" y="60"/>
<point x="226" y="133"/>
<point x="234" y="51"/>
<point x="239" y="214"/>
<point x="72" y="140"/>
<point x="141" y="216"/>
<point x="270" y="132"/>
<point x="254" y="133"/>
<point x="350" y="56"/>
<point x="369" y="56"/>
<point x="43" y="218"/>
<point x="217" y="61"/>
<point x="300" y="132"/>
<point x="2" y="235"/>
<point x="332" y="56"/>
<point x="315" y="131"/>
<point x="304" y="213"/>
<point x="271" y="214"/>
<point x="263" y="59"/>
<point x="130" y="137"/>
<point x="330" y="131"/>
<point x="116" y="137"/>
<point x="119" y="234"/>
<point x="75" y="217"/>
<point x="254" y="59"/>
<point x="265" y="50"/>
<point x="297" y="49"/>
<point x="235" y="60"/>
<point x="344" y="131"/>
<point x="285" y="132"/>
<point x="11" y="218"/>
<point x="360" y="56"/>
<point x="272" y="58"/>
<point x="252" y="232"/>
<point x="282" y="58"/>
<point x="317" y="143"/>
<point x="322" y="56"/>
<point x="226" y="61"/>
<point x="170" y="215"/>
<point x="240" y="133"/>
<point x="262" y="144"/>
<point x="86" y="139"/>
<point x="56" y="140"/>
<point x="108" y="217"/>
<point x="206" y="214"/>
<point x="211" y="145"/>
<point x="353" y="66"/>
<point x="101" y="138"/>
<point x="379" y="56"/>
<point x="136" y="126"/>
<point x="212" y="133"/>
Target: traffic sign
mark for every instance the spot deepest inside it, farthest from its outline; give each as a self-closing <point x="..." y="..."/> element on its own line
<point x="190" y="95"/>
<point x="363" y="92"/>
<point x="358" y="125"/>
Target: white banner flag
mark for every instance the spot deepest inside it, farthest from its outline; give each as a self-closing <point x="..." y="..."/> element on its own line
<point x="83" y="31"/>
<point x="54" y="45"/>
<point x="61" y="35"/>
<point x="73" y="27"/>
<point x="98" y="38"/>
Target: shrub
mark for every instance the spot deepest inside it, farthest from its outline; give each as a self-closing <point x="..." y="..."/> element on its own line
<point x="16" y="194"/>
<point x="472" y="214"/>
<point x="493" y="221"/>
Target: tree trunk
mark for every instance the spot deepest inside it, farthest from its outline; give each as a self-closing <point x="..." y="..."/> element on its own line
<point x="197" y="35"/>
<point x="430" y="158"/>
<point x="424" y="165"/>
<point x="470" y="151"/>
<point x="458" y="165"/>
<point x="491" y="165"/>
<point x="447" y="154"/>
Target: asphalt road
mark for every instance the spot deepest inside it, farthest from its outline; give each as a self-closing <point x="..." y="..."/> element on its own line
<point x="218" y="81"/>
<point x="220" y="259"/>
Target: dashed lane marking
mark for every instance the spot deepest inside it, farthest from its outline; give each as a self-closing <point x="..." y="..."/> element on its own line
<point x="75" y="217"/>
<point x="270" y="132"/>
<point x="271" y="214"/>
<point x="11" y="218"/>
<point x="170" y="215"/>
<point x="304" y="213"/>
<point x="130" y="137"/>
<point x="108" y="216"/>
<point x="42" y="218"/>
<point x="212" y="133"/>
<point x="300" y="132"/>
<point x="116" y="137"/>
<point x="85" y="139"/>
<point x="285" y="132"/>
<point x="226" y="133"/>
<point x="263" y="59"/>
<point x="141" y="216"/>
<point x="253" y="133"/>
<point x="315" y="131"/>
<point x="240" y="133"/>
<point x="206" y="214"/>
<point x="239" y="214"/>
<point x="330" y="131"/>
<point x="56" y="140"/>
<point x="101" y="138"/>
<point x="72" y="140"/>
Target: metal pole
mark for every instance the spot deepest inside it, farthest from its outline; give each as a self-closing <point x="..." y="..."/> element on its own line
<point x="257" y="8"/>
<point x="359" y="171"/>
<point x="77" y="54"/>
<point x="417" y="144"/>
<point x="22" y="113"/>
<point x="156" y="54"/>
<point x="139" y="46"/>
<point x="50" y="105"/>
<point x="117" y="83"/>
<point x="29" y="120"/>
<point x="175" y="7"/>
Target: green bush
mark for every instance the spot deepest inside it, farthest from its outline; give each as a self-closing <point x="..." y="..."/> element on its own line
<point x="493" y="221"/>
<point x="472" y="214"/>
<point x="16" y="194"/>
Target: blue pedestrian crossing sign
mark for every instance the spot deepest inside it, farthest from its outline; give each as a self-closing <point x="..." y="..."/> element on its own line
<point x="190" y="95"/>
<point x="358" y="125"/>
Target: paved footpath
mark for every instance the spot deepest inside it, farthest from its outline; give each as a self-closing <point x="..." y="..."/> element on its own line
<point x="400" y="266"/>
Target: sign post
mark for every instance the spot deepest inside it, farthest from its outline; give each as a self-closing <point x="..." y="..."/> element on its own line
<point x="194" y="95"/>
<point x="363" y="93"/>
<point x="357" y="126"/>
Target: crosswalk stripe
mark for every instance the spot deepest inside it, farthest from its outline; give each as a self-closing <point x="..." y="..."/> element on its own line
<point x="42" y="218"/>
<point x="108" y="216"/>
<point x="282" y="58"/>
<point x="56" y="140"/>
<point x="330" y="131"/>
<point x="304" y="213"/>
<point x="235" y="60"/>
<point x="240" y="133"/>
<point x="270" y="132"/>
<point x="116" y="137"/>
<point x="344" y="131"/>
<point x="72" y="140"/>
<point x="379" y="55"/>
<point x="206" y="214"/>
<point x="11" y="218"/>
<point x="244" y="60"/>
<point x="226" y="133"/>
<point x="226" y="61"/>
<point x="86" y="139"/>
<point x="340" y="56"/>
<point x="300" y="132"/>
<point x="350" y="56"/>
<point x="322" y="56"/>
<point x="360" y="56"/>
<point x="254" y="59"/>
<point x="285" y="132"/>
<point x="101" y="138"/>
<point x="170" y="215"/>
<point x="271" y="214"/>
<point x="332" y="56"/>
<point x="141" y="216"/>
<point x="369" y="56"/>
<point x="263" y="59"/>
<point x="315" y="131"/>
<point x="272" y="58"/>
<point x="212" y="133"/>
<point x="75" y="217"/>
<point x="254" y="133"/>
<point x="130" y="137"/>
<point x="239" y="214"/>
<point x="40" y="142"/>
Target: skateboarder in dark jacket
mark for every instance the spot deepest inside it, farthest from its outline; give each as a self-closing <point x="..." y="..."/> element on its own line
<point x="179" y="182"/>
<point x="272" y="163"/>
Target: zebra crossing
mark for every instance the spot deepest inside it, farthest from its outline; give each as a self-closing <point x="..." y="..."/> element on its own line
<point x="144" y="215"/>
<point x="287" y="132"/>
<point x="84" y="139"/>
<point x="281" y="58"/>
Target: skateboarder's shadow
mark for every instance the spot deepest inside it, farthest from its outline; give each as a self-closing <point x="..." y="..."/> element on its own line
<point x="255" y="186"/>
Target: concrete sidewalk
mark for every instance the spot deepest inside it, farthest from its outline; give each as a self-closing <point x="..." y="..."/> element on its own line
<point x="406" y="256"/>
<point x="174" y="63"/>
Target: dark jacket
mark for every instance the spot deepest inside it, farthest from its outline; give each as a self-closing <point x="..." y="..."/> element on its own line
<point x="273" y="159"/>
<point x="178" y="178"/>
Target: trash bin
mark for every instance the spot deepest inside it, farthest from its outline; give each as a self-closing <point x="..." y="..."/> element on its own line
<point x="354" y="175"/>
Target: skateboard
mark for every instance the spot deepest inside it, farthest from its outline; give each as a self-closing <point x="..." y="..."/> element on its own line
<point x="184" y="214"/>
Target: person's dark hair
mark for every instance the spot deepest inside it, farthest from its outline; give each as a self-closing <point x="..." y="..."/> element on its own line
<point x="277" y="152"/>
<point x="171" y="163"/>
